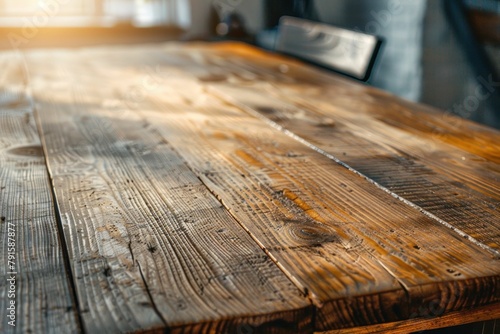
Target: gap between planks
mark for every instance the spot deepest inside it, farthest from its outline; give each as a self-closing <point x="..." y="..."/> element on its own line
<point x="60" y="230"/>
<point x="43" y="290"/>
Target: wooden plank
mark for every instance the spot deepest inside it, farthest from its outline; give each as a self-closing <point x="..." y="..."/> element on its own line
<point x="417" y="119"/>
<point x="150" y="247"/>
<point x="30" y="251"/>
<point x="465" y="199"/>
<point x="348" y="238"/>
<point x="348" y="244"/>
<point x="290" y="235"/>
<point x="457" y="184"/>
<point x="484" y="313"/>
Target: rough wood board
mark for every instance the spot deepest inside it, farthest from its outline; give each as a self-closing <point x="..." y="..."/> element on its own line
<point x="484" y="313"/>
<point x="463" y="198"/>
<point x="417" y="119"/>
<point x="150" y="246"/>
<point x="474" y="286"/>
<point x="313" y="216"/>
<point x="43" y="296"/>
<point x="340" y="236"/>
<point x="446" y="166"/>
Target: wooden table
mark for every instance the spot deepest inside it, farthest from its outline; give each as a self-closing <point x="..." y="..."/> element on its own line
<point x="217" y="188"/>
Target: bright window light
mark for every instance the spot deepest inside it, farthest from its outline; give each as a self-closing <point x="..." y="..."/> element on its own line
<point x="97" y="12"/>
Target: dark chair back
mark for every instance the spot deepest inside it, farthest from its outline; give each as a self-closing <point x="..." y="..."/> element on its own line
<point x="345" y="51"/>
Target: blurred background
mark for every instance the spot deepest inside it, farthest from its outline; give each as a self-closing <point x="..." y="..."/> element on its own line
<point x="445" y="53"/>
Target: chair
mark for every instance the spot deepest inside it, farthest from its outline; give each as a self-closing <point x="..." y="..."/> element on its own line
<point x="345" y="51"/>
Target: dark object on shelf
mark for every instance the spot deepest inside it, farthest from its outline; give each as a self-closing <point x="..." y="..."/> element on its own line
<point x="232" y="27"/>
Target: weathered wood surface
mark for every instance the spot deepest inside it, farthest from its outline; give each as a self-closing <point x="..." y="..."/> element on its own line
<point x="150" y="246"/>
<point x="204" y="188"/>
<point x="29" y="241"/>
<point x="446" y="166"/>
<point x="459" y="189"/>
<point x="483" y="317"/>
<point x="327" y="230"/>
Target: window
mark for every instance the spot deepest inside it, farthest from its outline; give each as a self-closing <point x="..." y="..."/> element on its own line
<point x="96" y="12"/>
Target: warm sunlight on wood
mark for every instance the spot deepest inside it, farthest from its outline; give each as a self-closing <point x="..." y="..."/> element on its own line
<point x="89" y="12"/>
<point x="250" y="166"/>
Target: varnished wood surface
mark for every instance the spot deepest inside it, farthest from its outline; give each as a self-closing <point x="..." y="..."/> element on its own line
<point x="217" y="188"/>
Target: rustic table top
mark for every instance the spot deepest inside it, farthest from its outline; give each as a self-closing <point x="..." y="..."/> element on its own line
<point x="218" y="188"/>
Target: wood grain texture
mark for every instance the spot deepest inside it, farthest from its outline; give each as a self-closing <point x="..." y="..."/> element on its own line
<point x="43" y="297"/>
<point x="332" y="214"/>
<point x="446" y="166"/>
<point x="189" y="206"/>
<point x="436" y="180"/>
<point x="484" y="313"/>
<point x="151" y="248"/>
<point x="360" y="254"/>
<point x="416" y="119"/>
